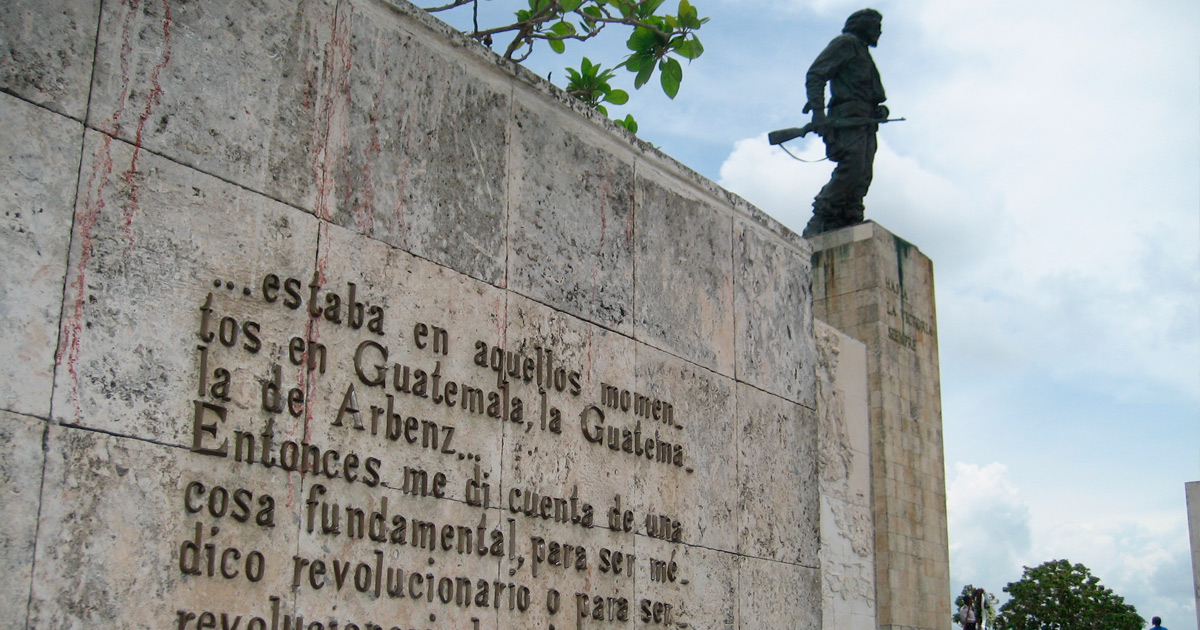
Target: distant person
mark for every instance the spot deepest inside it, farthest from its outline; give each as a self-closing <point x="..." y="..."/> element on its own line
<point x="1156" y="624"/>
<point x="966" y="614"/>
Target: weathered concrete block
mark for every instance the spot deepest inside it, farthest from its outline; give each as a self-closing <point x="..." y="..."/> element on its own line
<point x="244" y="91"/>
<point x="39" y="165"/>
<point x="153" y="241"/>
<point x="773" y="303"/>
<point x="576" y="460"/>
<point x="778" y="503"/>
<point x="417" y="144"/>
<point x="46" y="51"/>
<point x="702" y="408"/>
<point x="125" y="529"/>
<point x="845" y="447"/>
<point x="21" y="461"/>
<point x="778" y="595"/>
<point x="684" y="284"/>
<point x="402" y="390"/>
<point x="684" y="584"/>
<point x="847" y="528"/>
<point x="572" y="218"/>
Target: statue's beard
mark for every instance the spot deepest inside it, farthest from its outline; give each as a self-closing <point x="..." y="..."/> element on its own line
<point x="872" y="39"/>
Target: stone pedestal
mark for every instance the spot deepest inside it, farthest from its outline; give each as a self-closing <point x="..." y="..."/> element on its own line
<point x="878" y="289"/>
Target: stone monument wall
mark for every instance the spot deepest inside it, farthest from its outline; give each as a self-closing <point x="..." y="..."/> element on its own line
<point x="318" y="315"/>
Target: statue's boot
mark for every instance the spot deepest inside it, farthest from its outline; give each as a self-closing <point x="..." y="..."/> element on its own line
<point x="815" y="226"/>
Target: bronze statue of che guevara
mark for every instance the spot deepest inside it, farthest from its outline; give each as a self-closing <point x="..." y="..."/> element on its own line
<point x="855" y="110"/>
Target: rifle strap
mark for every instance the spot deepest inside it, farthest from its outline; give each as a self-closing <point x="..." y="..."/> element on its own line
<point x="800" y="159"/>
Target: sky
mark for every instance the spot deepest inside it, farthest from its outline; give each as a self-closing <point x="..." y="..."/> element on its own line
<point x="1050" y="167"/>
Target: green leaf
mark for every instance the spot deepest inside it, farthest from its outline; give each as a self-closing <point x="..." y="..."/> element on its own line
<point x="618" y="97"/>
<point x="672" y="75"/>
<point x="592" y="12"/>
<point x="642" y="40"/>
<point x="629" y="123"/>
<point x="637" y="61"/>
<point x="563" y="29"/>
<point x="688" y="16"/>
<point x="570" y="5"/>
<point x="557" y="45"/>
<point x="688" y="48"/>
<point x="643" y="76"/>
<point x="648" y="7"/>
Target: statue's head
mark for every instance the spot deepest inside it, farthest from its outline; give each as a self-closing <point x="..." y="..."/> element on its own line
<point x="867" y="24"/>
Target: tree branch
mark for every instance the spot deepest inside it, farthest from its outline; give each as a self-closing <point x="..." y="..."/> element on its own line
<point x="446" y="7"/>
<point x="528" y="30"/>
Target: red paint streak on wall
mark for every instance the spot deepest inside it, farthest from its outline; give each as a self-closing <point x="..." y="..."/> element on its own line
<point x="329" y="126"/>
<point x="604" y="189"/>
<point x="312" y="330"/>
<point x="89" y="214"/>
<point x="113" y="125"/>
<point x="502" y="322"/>
<point x="401" y="201"/>
<point x="432" y="111"/>
<point x="403" y="229"/>
<point x="364" y="210"/>
<point x="152" y="99"/>
<point x="332" y="108"/>
<point x="311" y="74"/>
<point x="631" y="221"/>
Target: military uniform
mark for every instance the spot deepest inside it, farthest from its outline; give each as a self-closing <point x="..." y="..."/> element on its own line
<point x="856" y="92"/>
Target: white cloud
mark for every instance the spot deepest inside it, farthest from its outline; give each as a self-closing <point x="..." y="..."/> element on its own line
<point x="773" y="181"/>
<point x="989" y="525"/>
<point x="823" y="7"/>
